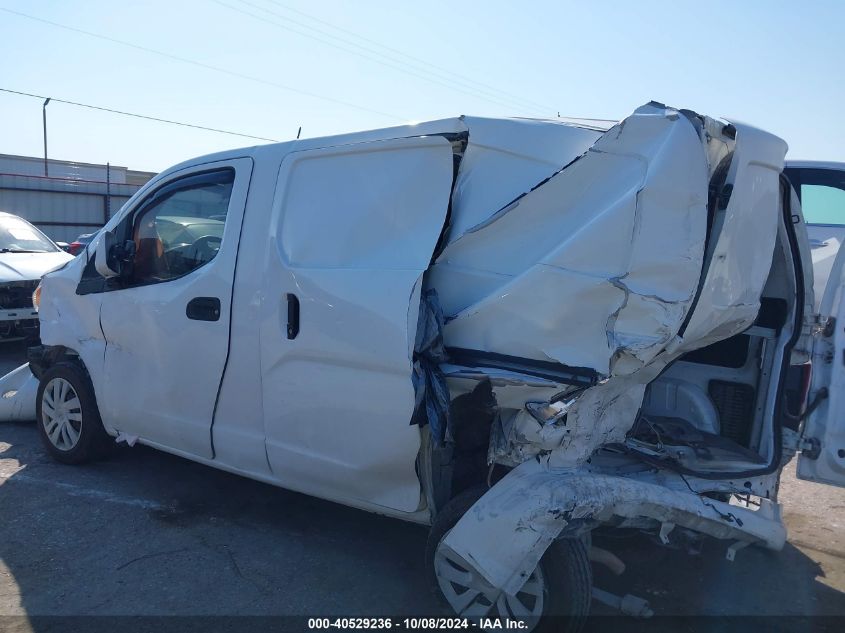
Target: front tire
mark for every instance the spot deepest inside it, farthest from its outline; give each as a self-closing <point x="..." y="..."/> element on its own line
<point x="556" y="597"/>
<point x="68" y="418"/>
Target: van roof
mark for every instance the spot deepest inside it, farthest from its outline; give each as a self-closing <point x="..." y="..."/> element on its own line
<point x="454" y="125"/>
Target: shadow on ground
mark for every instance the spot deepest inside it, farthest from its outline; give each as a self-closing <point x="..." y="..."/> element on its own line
<point x="145" y="533"/>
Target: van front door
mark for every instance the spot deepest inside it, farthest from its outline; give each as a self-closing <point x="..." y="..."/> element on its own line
<point x="354" y="229"/>
<point x="166" y="323"/>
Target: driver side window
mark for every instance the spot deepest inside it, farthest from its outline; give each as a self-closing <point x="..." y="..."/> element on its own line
<point x="180" y="228"/>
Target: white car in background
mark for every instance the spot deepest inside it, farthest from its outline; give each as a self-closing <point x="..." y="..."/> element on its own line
<point x="821" y="188"/>
<point x="25" y="255"/>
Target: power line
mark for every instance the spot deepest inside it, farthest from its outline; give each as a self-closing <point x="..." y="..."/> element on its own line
<point x="346" y="49"/>
<point x="438" y="76"/>
<point x="138" y="116"/>
<point x="199" y="64"/>
<point x="447" y="71"/>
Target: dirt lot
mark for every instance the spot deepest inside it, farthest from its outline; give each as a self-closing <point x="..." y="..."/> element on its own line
<point x="145" y="533"/>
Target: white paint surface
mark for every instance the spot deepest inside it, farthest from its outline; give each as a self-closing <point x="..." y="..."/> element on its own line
<point x="162" y="370"/>
<point x="17" y="394"/>
<point x="593" y="263"/>
<point x="594" y="268"/>
<point x="825" y="426"/>
<point x="530" y="507"/>
<point x="354" y="231"/>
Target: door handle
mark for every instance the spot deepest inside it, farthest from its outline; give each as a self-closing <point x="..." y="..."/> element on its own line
<point x="293" y="316"/>
<point x="203" y="309"/>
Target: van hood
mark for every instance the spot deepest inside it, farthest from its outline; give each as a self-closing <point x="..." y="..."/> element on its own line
<point x="29" y="266"/>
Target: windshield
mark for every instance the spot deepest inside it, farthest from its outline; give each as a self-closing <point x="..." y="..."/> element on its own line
<point x="19" y="236"/>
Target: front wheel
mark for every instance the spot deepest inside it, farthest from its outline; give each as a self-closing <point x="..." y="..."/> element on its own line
<point x="556" y="597"/>
<point x="68" y="419"/>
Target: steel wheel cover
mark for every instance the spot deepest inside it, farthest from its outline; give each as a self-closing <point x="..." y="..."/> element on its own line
<point x="61" y="414"/>
<point x="472" y="596"/>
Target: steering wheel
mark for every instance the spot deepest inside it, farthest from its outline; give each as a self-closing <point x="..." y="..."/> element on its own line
<point x="206" y="247"/>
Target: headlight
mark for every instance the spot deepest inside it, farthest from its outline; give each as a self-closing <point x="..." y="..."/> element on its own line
<point x="36" y="297"/>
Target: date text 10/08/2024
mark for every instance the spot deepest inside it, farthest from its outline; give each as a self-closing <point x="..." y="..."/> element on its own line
<point x="436" y="624"/>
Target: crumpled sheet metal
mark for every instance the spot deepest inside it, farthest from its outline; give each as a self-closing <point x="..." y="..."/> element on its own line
<point x="532" y="505"/>
<point x="617" y="241"/>
<point x="595" y="267"/>
<point x="741" y="260"/>
<point x="647" y="286"/>
<point x="18" y="390"/>
<point x="602" y="414"/>
<point x="506" y="158"/>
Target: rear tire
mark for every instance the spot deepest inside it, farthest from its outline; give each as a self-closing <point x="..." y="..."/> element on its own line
<point x="68" y="419"/>
<point x="564" y="573"/>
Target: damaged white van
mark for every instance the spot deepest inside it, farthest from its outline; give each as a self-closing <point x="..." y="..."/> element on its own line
<point x="515" y="330"/>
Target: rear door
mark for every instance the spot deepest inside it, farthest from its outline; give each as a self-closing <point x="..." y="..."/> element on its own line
<point x="822" y="457"/>
<point x="167" y="325"/>
<point x="822" y="194"/>
<point x="353" y="230"/>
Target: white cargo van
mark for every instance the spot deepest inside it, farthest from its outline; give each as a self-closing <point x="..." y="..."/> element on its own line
<point x="515" y="330"/>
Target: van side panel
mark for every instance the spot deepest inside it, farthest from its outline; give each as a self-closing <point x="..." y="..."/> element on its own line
<point x="353" y="230"/>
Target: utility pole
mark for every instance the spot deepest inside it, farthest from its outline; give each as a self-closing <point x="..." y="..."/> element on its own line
<point x="107" y="213"/>
<point x="44" y="119"/>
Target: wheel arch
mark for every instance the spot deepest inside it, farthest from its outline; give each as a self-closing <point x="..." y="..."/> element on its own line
<point x="43" y="357"/>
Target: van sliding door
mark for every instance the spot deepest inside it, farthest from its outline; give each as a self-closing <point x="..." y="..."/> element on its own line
<point x="354" y="229"/>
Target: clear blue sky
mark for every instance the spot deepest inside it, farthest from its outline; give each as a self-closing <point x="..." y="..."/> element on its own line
<point x="776" y="64"/>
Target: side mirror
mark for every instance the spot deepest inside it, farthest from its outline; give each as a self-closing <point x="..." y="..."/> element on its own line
<point x="64" y="246"/>
<point x="112" y="259"/>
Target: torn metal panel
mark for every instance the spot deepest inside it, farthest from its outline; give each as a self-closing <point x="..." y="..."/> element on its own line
<point x="595" y="267"/>
<point x="533" y="505"/>
<point x="742" y="253"/>
<point x="18" y="389"/>
<point x="602" y="414"/>
<point x="506" y="158"/>
<point x="603" y="266"/>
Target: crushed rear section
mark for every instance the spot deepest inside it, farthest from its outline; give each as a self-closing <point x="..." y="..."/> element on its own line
<point x="612" y="311"/>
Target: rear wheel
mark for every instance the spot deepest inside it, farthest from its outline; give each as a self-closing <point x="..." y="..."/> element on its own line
<point x="556" y="596"/>
<point x="68" y="419"/>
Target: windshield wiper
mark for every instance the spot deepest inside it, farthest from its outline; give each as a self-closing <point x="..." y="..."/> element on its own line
<point x="19" y="250"/>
